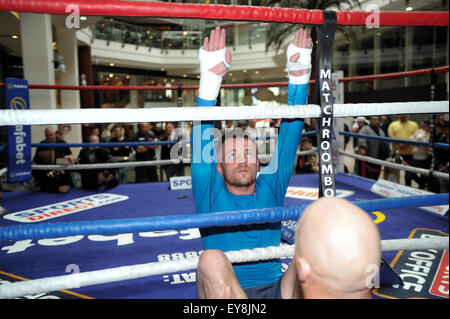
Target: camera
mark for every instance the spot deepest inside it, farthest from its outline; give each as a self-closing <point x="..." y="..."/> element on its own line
<point x="106" y="173"/>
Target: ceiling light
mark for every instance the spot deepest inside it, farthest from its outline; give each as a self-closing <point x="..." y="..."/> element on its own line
<point x="15" y="36"/>
<point x="409" y="8"/>
<point x="83" y="18"/>
<point x="111" y="64"/>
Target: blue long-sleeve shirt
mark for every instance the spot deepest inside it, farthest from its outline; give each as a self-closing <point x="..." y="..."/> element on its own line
<point x="211" y="195"/>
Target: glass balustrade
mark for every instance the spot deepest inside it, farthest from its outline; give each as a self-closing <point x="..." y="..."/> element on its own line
<point x="111" y="30"/>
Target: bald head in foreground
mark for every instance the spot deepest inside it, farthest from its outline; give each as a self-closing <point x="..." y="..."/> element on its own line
<point x="337" y="248"/>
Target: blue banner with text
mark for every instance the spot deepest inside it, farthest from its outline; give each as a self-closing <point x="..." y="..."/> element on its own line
<point x="19" y="136"/>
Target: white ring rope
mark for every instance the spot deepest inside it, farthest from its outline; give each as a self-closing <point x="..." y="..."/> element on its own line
<point x="413" y="169"/>
<point x="438" y="243"/>
<point x="108" y="165"/>
<point x="180" y="114"/>
<point x="263" y="157"/>
<point x="41" y="167"/>
<point x="48" y="284"/>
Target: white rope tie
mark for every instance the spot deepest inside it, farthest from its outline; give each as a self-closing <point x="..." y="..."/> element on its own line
<point x="180" y="114"/>
<point x="96" y="277"/>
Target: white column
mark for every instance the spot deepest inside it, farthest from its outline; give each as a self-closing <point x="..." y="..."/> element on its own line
<point x="408" y="52"/>
<point x="376" y="58"/>
<point x="134" y="81"/>
<point x="236" y="35"/>
<point x="352" y="63"/>
<point x="70" y="99"/>
<point x="37" y="57"/>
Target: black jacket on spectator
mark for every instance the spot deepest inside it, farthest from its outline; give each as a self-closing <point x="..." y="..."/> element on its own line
<point x="119" y="151"/>
<point x="95" y="155"/>
<point x="51" y="180"/>
<point x="145" y="173"/>
<point x="150" y="154"/>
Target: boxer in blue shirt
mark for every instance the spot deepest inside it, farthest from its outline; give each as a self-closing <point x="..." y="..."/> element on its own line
<point x="224" y="178"/>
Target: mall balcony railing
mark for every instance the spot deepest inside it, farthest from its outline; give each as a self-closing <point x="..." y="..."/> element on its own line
<point x="238" y="34"/>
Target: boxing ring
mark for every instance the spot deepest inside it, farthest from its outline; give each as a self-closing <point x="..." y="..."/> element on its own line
<point x="38" y="258"/>
<point x="124" y="243"/>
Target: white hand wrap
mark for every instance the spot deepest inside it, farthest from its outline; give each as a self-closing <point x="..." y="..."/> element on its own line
<point x="210" y="82"/>
<point x="303" y="63"/>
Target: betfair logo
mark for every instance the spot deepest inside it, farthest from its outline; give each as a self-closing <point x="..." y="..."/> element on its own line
<point x="18" y="103"/>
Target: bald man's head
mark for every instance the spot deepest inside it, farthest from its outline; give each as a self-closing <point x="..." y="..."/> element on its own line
<point x="336" y="244"/>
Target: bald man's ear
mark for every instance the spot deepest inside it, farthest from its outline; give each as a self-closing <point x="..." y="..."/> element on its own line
<point x="303" y="269"/>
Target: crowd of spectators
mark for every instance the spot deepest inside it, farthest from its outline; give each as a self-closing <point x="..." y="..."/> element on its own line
<point x="63" y="180"/>
<point x="402" y="153"/>
<point x="401" y="128"/>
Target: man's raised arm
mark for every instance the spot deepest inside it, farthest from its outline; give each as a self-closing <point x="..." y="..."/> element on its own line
<point x="215" y="61"/>
<point x="299" y="70"/>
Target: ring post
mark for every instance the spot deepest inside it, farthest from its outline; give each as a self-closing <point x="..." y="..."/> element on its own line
<point x="323" y="96"/>
<point x="431" y="179"/>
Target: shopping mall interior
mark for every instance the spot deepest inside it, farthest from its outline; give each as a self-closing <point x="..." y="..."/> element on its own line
<point x="118" y="51"/>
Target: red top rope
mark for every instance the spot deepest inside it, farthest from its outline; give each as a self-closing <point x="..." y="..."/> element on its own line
<point x="224" y="12"/>
<point x="437" y="70"/>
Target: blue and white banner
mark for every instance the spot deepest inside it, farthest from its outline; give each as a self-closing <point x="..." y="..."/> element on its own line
<point x="393" y="190"/>
<point x="60" y="209"/>
<point x="19" y="136"/>
<point x="180" y="182"/>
